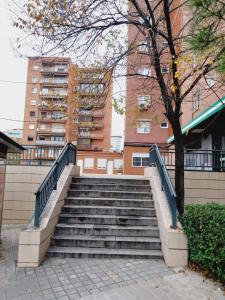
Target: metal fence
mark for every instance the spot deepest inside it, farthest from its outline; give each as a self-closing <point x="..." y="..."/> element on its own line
<point x="196" y="160"/>
<point x="34" y="156"/>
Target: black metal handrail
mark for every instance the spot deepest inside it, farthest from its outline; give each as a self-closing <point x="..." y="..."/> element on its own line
<point x="68" y="155"/>
<point x="166" y="184"/>
<point x="197" y="159"/>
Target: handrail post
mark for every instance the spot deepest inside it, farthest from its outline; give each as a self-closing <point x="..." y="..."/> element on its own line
<point x="56" y="176"/>
<point x="37" y="209"/>
<point x="174" y="214"/>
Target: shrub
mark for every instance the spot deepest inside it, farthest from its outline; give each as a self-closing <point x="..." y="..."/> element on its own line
<point x="204" y="226"/>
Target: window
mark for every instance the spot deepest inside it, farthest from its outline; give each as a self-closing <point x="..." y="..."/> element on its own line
<point x="143" y="100"/>
<point x="43" y="126"/>
<point x="32" y="114"/>
<point x="34" y="79"/>
<point x="101" y="163"/>
<point x="196" y="100"/>
<point x="57" y="138"/>
<point x="30" y="138"/>
<point x="44" y="91"/>
<point x="164" y="45"/>
<point x="59" y="80"/>
<point x="164" y="125"/>
<point x="89" y="163"/>
<point x="144" y="71"/>
<point x="164" y="69"/>
<point x="118" y="163"/>
<point x="33" y="102"/>
<point x="62" y="68"/>
<point x="91" y="88"/>
<point x="140" y="159"/>
<point x="31" y="126"/>
<point x="211" y="80"/>
<point x="143" y="127"/>
<point x="143" y="47"/>
<point x="84" y="141"/>
<point x="35" y="68"/>
<point x="34" y="90"/>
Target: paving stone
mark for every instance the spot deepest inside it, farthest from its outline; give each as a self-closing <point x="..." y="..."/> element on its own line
<point x="97" y="279"/>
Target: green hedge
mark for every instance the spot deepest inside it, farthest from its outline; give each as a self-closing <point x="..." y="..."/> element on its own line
<point x="204" y="226"/>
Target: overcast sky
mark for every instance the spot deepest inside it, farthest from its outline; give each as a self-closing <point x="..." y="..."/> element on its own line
<point x="13" y="69"/>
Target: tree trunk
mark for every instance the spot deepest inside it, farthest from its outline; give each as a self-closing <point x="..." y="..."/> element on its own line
<point x="179" y="171"/>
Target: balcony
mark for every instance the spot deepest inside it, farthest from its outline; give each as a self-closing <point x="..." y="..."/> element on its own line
<point x="90" y="125"/>
<point x="53" y="119"/>
<point x="51" y="130"/>
<point x="49" y="143"/>
<point x="57" y="106"/>
<point x="52" y="82"/>
<point x="84" y="135"/>
<point x="89" y="147"/>
<point x="53" y="95"/>
<point x="55" y="70"/>
<point x="95" y="114"/>
<point x="95" y="136"/>
<point x="83" y="147"/>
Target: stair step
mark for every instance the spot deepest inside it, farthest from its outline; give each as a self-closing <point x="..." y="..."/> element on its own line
<point x="111" y="187"/>
<point x="96" y="180"/>
<point x="109" y="202"/>
<point x="106" y="242"/>
<point x="107" y="219"/>
<point x="106" y="230"/>
<point x="110" y="194"/>
<point x="112" y="210"/>
<point x="103" y="253"/>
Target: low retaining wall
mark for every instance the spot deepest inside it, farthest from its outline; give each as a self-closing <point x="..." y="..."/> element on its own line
<point x="34" y="242"/>
<point x="173" y="241"/>
<point x="21" y="182"/>
<point x="203" y="187"/>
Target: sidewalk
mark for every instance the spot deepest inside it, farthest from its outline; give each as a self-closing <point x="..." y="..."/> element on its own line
<point x="92" y="279"/>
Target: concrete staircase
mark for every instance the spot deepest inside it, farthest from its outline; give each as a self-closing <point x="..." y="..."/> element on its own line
<point x="107" y="217"/>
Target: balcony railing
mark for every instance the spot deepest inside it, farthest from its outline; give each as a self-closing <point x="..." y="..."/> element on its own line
<point x="49" y="143"/>
<point x="95" y="114"/>
<point x="54" y="70"/>
<point x="90" y="125"/>
<point x="52" y="118"/>
<point x="49" y="129"/>
<point x="53" y="82"/>
<point x="197" y="160"/>
<point x="53" y="95"/>
<point x="89" y="147"/>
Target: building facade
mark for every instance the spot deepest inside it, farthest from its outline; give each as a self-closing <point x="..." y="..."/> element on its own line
<point x="65" y="103"/>
<point x="145" y="121"/>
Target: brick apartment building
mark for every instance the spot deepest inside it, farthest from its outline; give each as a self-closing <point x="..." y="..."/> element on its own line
<point x="65" y="103"/>
<point x="145" y="122"/>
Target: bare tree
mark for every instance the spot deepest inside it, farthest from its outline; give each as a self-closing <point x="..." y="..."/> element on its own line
<point x="97" y="29"/>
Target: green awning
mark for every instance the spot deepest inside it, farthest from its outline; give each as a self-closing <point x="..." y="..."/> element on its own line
<point x="217" y="106"/>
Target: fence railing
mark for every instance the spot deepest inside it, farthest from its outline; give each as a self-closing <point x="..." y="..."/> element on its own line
<point x="68" y="155"/>
<point x="166" y="184"/>
<point x="196" y="160"/>
<point x="35" y="156"/>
